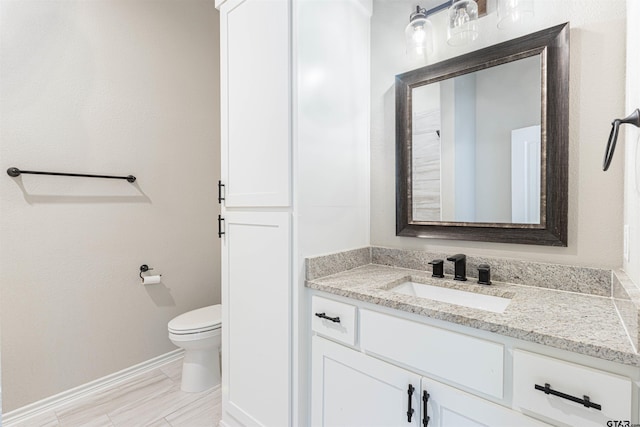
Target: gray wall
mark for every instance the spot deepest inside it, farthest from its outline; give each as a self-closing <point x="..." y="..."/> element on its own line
<point x="115" y="87"/>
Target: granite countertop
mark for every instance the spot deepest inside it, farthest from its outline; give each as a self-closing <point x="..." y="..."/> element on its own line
<point x="581" y="323"/>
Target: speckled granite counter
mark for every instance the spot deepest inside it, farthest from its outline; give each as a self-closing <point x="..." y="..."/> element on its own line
<point x="582" y="323"/>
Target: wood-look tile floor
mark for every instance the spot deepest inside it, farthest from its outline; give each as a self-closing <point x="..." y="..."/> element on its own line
<point x="150" y="399"/>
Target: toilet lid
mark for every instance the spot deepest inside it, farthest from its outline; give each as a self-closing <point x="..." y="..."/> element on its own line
<point x="197" y="320"/>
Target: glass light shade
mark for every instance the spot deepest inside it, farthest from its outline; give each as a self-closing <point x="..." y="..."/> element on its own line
<point x="419" y="34"/>
<point x="513" y="12"/>
<point x="463" y="23"/>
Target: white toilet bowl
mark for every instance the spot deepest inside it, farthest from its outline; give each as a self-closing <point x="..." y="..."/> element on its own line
<point x="199" y="333"/>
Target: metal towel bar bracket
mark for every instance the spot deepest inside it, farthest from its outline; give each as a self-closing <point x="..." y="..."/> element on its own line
<point x="632" y="119"/>
<point x="15" y="172"/>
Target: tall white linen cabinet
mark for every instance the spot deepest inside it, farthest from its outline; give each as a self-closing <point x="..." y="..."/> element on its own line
<point x="295" y="183"/>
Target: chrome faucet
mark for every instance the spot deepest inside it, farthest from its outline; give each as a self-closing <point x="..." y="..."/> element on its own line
<point x="459" y="266"/>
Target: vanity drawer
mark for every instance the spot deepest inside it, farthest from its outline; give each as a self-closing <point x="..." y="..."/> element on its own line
<point x="333" y="319"/>
<point x="465" y="360"/>
<point x="611" y="392"/>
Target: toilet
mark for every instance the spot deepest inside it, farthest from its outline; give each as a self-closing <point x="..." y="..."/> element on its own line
<point x="199" y="333"/>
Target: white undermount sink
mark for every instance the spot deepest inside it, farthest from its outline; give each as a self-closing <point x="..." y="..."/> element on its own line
<point x="453" y="296"/>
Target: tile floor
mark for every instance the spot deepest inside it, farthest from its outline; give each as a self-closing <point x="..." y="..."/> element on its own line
<point x="150" y="399"/>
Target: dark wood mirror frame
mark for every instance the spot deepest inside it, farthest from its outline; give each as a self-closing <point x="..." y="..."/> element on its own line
<point x="552" y="45"/>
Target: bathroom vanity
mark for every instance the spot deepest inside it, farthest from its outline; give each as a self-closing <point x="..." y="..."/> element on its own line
<point x="383" y="357"/>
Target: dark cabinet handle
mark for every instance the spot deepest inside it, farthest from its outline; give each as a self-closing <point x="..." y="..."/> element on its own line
<point x="425" y="410"/>
<point x="220" y="198"/>
<point x="584" y="401"/>
<point x="220" y="232"/>
<point x="410" y="410"/>
<point x="324" y="316"/>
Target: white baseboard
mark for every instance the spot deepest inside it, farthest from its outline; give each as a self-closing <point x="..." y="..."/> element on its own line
<point x="228" y="420"/>
<point x="229" y="423"/>
<point x="53" y="402"/>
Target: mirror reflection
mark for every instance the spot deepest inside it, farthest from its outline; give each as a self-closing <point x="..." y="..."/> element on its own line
<point x="476" y="146"/>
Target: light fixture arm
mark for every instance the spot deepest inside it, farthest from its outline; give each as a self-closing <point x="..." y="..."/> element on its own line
<point x="420" y="12"/>
<point x="438" y="8"/>
<point x="482" y="7"/>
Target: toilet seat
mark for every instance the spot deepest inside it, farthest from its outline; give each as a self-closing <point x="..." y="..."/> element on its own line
<point x="202" y="337"/>
<point x="197" y="321"/>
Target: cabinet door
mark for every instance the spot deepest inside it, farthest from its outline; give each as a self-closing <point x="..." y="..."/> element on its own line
<point x="256" y="97"/>
<point x="256" y="330"/>
<point x="450" y="407"/>
<point x="351" y="389"/>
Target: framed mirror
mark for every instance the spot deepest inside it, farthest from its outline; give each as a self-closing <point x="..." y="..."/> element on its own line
<point x="482" y="144"/>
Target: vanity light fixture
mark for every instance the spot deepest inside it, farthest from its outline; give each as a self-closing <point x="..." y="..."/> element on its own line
<point x="513" y="12"/>
<point x="462" y="27"/>
<point x="463" y="23"/>
<point x="419" y="33"/>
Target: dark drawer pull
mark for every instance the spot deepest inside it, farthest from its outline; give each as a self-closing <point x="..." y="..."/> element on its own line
<point x="324" y="316"/>
<point x="584" y="401"/>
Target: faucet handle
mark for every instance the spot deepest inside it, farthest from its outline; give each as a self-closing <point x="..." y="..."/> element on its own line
<point x="438" y="268"/>
<point x="484" y="274"/>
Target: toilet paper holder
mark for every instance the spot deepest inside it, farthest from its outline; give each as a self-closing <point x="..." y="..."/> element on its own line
<point x="143" y="269"/>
